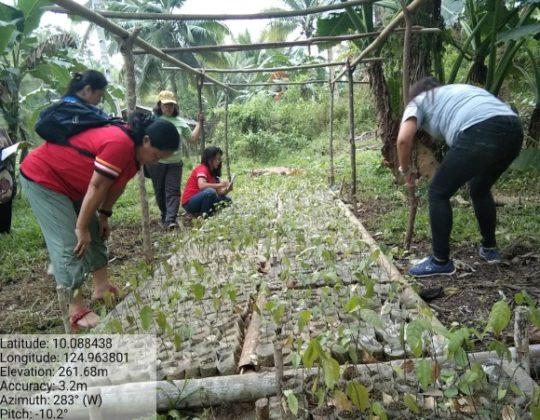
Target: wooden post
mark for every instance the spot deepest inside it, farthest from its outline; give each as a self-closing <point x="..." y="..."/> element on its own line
<point x="521" y="338"/>
<point x="262" y="410"/>
<point x="350" y="74"/>
<point x="64" y="299"/>
<point x="331" y="123"/>
<point x="248" y="357"/>
<point x="131" y="98"/>
<point x="200" y="84"/>
<point x="278" y="363"/>
<point x="406" y="80"/>
<point x="227" y="159"/>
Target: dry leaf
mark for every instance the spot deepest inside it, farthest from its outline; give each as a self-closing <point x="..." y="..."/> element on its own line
<point x="408" y="366"/>
<point x="435" y="371"/>
<point x="465" y="405"/>
<point x="387" y="399"/>
<point x="367" y="358"/>
<point x="291" y="283"/>
<point x="341" y="402"/>
<point x="508" y="413"/>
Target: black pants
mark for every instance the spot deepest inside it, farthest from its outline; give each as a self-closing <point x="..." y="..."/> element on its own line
<point x="5" y="216"/>
<point x="166" y="180"/>
<point x="479" y="156"/>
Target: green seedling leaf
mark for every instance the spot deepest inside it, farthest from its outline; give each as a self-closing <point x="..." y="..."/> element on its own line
<point x="115" y="326"/>
<point x="424" y="373"/>
<point x="331" y="371"/>
<point x="451" y="392"/>
<point x="501" y="349"/>
<point x="177" y="342"/>
<point x="296" y="359"/>
<point x="304" y="319"/>
<point x="414" y="337"/>
<point x="516" y="390"/>
<point x="355" y="303"/>
<point x="311" y="353"/>
<point x="410" y="402"/>
<point x="359" y="395"/>
<point x="501" y="393"/>
<point x="146" y="315"/>
<point x="198" y="291"/>
<point x="277" y="314"/>
<point x="161" y="321"/>
<point x="378" y="410"/>
<point x="371" y="318"/>
<point x="534" y="316"/>
<point x="341" y="402"/>
<point x="292" y="401"/>
<point x="499" y="317"/>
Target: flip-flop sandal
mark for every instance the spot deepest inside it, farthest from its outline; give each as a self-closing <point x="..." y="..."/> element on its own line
<point x="76" y="317"/>
<point x="112" y="290"/>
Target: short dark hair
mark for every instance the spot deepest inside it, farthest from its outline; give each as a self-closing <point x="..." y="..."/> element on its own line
<point x="157" y="110"/>
<point x="208" y="155"/>
<point x="423" y="85"/>
<point x="93" y="78"/>
<point x="163" y="134"/>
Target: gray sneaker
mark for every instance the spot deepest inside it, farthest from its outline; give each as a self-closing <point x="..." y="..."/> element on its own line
<point x="490" y="255"/>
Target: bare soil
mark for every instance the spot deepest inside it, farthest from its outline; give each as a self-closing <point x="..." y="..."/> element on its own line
<point x="469" y="294"/>
<point x="30" y="304"/>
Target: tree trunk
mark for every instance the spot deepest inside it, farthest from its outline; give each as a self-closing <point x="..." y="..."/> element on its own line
<point x="387" y="125"/>
<point x="533" y="139"/>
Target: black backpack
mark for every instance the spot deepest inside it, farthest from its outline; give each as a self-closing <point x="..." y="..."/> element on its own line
<point x="57" y="123"/>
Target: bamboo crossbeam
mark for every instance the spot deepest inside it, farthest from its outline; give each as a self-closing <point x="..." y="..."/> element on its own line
<point x="186" y="17"/>
<point x="99" y="20"/>
<point x="274" y="45"/>
<point x="134" y="398"/>
<point x="383" y="36"/>
<point x="278" y="83"/>
<point x="274" y="69"/>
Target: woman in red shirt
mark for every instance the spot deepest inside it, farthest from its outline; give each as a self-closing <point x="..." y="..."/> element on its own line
<point x="204" y="187"/>
<point x="72" y="195"/>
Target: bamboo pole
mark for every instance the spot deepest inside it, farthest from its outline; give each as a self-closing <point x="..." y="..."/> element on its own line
<point x="274" y="69"/>
<point x="131" y="99"/>
<point x="200" y="84"/>
<point x="91" y="16"/>
<point x="135" y="398"/>
<point x="248" y="357"/>
<point x="521" y="338"/>
<point x="64" y="299"/>
<point x="350" y="74"/>
<point x="278" y="363"/>
<point x="406" y="79"/>
<point x="383" y="36"/>
<point x="331" y="129"/>
<point x="227" y="158"/>
<point x="186" y="17"/>
<point x="277" y="83"/>
<point x="273" y="45"/>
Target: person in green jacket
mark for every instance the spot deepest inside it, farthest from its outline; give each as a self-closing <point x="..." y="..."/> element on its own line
<point x="167" y="174"/>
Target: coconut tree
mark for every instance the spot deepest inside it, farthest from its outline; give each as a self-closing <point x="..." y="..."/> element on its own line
<point x="170" y="34"/>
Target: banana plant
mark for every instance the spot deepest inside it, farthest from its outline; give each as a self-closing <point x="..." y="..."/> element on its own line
<point x="496" y="31"/>
<point x="22" y="55"/>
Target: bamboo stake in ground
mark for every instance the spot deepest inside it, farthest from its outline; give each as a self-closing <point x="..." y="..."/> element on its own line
<point x="412" y="198"/>
<point x="331" y="129"/>
<point x="131" y="99"/>
<point x="278" y="363"/>
<point x="227" y="160"/>
<point x="521" y="338"/>
<point x="350" y="75"/>
<point x="200" y="84"/>
<point x="262" y="411"/>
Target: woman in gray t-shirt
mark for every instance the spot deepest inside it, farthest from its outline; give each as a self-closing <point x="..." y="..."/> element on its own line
<point x="484" y="136"/>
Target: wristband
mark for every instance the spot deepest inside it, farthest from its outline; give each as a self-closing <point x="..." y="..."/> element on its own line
<point x="104" y="212"/>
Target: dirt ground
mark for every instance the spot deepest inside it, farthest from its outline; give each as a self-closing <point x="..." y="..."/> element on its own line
<point x="30" y="305"/>
<point x="468" y="295"/>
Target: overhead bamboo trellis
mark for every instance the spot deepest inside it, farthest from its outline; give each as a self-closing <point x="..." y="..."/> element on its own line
<point x="274" y="69"/>
<point x="274" y="45"/>
<point x="186" y="17"/>
<point x="284" y="83"/>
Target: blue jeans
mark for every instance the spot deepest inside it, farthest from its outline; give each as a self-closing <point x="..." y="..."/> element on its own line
<point x="206" y="201"/>
<point x="478" y="157"/>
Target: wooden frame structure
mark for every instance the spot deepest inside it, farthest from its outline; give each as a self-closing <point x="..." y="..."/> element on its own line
<point x="128" y="40"/>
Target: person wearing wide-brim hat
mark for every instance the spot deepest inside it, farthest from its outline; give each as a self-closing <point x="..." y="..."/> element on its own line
<point x="167" y="174"/>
